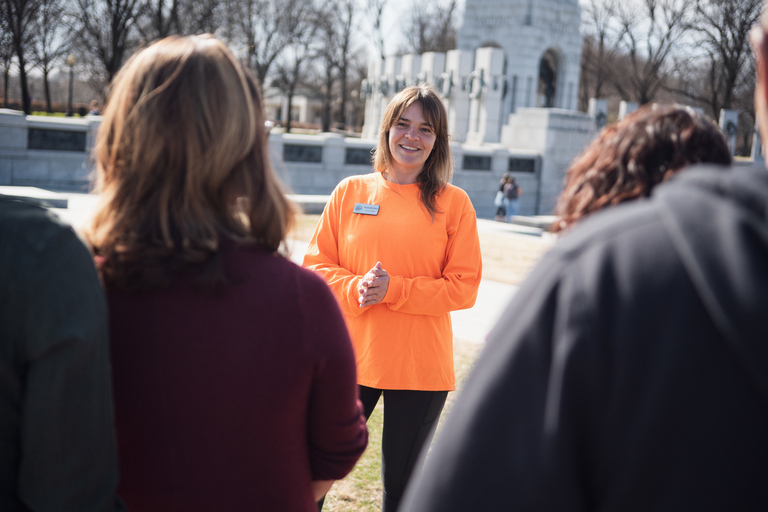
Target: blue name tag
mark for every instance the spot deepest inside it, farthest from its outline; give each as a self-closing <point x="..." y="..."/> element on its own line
<point x="366" y="209"/>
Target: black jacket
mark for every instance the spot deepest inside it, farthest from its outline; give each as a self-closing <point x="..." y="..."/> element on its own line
<point x="57" y="446"/>
<point x="630" y="371"/>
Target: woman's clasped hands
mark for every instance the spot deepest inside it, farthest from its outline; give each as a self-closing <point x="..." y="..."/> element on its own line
<point x="373" y="286"/>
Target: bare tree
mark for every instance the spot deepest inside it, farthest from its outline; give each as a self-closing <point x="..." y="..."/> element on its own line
<point x="52" y="42"/>
<point x="721" y="30"/>
<point x="290" y="70"/>
<point x="375" y="11"/>
<point x="20" y="17"/>
<point x="6" y="55"/>
<point x="598" y="50"/>
<point x="328" y="60"/>
<point x="432" y="27"/>
<point x="345" y="47"/>
<point x="201" y="16"/>
<point x="267" y="27"/>
<point x="158" y="19"/>
<point x="648" y="32"/>
<point x="336" y="45"/>
<point x="106" y="34"/>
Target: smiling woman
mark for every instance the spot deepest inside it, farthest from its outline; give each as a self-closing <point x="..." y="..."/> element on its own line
<point x="400" y="249"/>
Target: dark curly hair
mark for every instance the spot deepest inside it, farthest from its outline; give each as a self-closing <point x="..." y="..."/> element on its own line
<point x="632" y="156"/>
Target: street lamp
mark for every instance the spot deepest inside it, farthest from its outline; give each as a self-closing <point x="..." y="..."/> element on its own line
<point x="71" y="63"/>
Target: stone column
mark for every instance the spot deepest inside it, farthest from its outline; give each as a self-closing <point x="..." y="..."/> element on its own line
<point x="757" y="148"/>
<point x="370" y="92"/>
<point x="432" y="66"/>
<point x="598" y="110"/>
<point x="410" y="67"/>
<point x="455" y="92"/>
<point x="486" y="87"/>
<point x="625" y="108"/>
<point x="729" y="123"/>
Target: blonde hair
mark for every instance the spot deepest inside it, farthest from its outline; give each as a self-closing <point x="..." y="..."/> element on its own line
<point x="438" y="169"/>
<point x="181" y="162"/>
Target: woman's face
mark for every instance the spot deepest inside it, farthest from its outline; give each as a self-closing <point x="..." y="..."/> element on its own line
<point x="411" y="139"/>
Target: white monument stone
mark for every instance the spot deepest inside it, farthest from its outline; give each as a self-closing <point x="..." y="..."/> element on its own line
<point x="410" y="69"/>
<point x="453" y="88"/>
<point x="729" y="123"/>
<point x="486" y="89"/>
<point x="432" y="66"/>
<point x="626" y="108"/>
<point x="757" y="148"/>
<point x="541" y="43"/>
<point x="598" y="110"/>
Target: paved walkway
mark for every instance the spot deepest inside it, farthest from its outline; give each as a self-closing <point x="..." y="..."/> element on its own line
<point x="470" y="325"/>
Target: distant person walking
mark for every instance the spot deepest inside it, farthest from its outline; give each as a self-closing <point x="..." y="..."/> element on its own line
<point x="512" y="192"/>
<point x="499" y="202"/>
<point x="234" y="375"/>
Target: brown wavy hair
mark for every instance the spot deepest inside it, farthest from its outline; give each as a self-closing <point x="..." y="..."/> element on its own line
<point x="632" y="156"/>
<point x="438" y="169"/>
<point x="181" y="163"/>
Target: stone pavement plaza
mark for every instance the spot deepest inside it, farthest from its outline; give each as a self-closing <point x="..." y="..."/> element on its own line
<point x="469" y="325"/>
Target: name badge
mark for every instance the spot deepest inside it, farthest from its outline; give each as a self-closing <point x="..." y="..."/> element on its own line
<point x="366" y="209"/>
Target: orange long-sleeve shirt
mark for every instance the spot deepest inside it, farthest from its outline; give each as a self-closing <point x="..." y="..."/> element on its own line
<point x="406" y="341"/>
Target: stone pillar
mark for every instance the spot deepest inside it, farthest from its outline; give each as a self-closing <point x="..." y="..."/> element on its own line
<point x="370" y="91"/>
<point x="432" y="66"/>
<point x="13" y="141"/>
<point x="626" y="107"/>
<point x="598" y="110"/>
<point x="757" y="148"/>
<point x="558" y="136"/>
<point x="453" y="84"/>
<point x="388" y="85"/>
<point x="486" y="86"/>
<point x="410" y="67"/>
<point x="729" y="123"/>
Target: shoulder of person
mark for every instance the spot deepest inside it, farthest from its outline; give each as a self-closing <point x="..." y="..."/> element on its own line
<point x="357" y="182"/>
<point x="457" y="198"/>
<point x="32" y="227"/>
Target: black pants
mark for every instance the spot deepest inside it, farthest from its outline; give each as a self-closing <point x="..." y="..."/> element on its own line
<point x="410" y="418"/>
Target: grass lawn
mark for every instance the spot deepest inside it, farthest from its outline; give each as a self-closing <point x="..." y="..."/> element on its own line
<point x="506" y="258"/>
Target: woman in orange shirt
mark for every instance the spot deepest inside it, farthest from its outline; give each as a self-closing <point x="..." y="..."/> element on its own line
<point x="399" y="248"/>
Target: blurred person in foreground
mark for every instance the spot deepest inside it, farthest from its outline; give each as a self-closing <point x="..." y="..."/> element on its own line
<point x="630" y="371"/>
<point x="632" y="156"/>
<point x="234" y="375"/>
<point x="57" y="439"/>
<point x="400" y="249"/>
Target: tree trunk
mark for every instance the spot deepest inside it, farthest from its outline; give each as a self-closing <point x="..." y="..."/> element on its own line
<point x="6" y="76"/>
<point x="26" y="101"/>
<point x="288" y="115"/>
<point x="47" y="88"/>
<point x="327" y="99"/>
<point x="343" y="79"/>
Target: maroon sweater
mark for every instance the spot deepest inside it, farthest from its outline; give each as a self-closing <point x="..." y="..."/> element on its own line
<point x="234" y="400"/>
